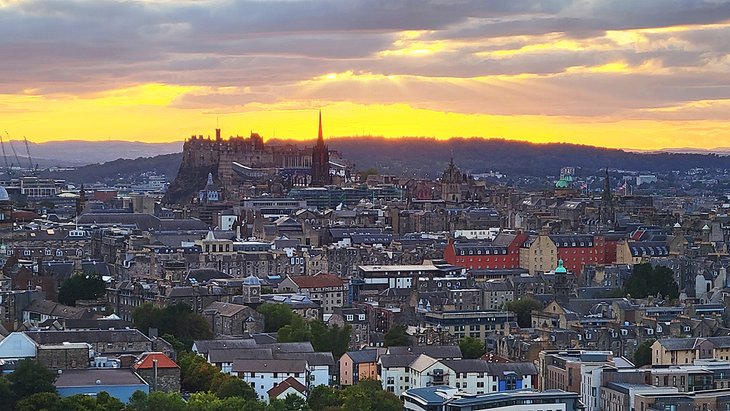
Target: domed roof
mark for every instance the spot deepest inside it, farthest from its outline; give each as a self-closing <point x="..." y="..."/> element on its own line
<point x="4" y="194"/>
<point x="564" y="182"/>
<point x="561" y="269"/>
<point x="251" y="280"/>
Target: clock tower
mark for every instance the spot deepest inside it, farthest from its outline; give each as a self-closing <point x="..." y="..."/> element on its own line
<point x="251" y="291"/>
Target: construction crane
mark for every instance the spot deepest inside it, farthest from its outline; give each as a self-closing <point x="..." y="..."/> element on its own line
<point x="27" y="150"/>
<point x="7" y="166"/>
<point x="13" y="148"/>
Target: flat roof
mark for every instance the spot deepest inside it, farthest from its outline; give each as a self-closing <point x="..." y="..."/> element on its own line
<point x="90" y="376"/>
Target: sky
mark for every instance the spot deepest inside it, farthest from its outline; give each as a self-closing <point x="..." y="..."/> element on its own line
<point x="640" y="74"/>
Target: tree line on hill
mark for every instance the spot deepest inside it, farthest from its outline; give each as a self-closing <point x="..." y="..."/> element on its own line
<point x="404" y="156"/>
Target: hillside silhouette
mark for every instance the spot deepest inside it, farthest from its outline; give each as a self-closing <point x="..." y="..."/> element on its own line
<point x="415" y="156"/>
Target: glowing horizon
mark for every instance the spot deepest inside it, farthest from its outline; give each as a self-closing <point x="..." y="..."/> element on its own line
<point x="643" y="76"/>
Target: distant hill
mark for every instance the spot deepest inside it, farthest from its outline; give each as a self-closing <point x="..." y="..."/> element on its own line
<point x="124" y="169"/>
<point x="409" y="156"/>
<point x="77" y="152"/>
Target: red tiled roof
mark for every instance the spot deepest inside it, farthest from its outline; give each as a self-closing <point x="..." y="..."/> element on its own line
<point x="147" y="361"/>
<point x="317" y="281"/>
<point x="289" y="382"/>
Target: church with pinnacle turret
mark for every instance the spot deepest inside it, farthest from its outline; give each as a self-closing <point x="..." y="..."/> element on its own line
<point x="320" y="160"/>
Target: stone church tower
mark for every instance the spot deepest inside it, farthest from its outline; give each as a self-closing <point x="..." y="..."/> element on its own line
<point x="251" y="291"/>
<point x="320" y="160"/>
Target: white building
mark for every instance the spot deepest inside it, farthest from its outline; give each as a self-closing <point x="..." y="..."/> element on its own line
<point x="17" y="346"/>
<point x="264" y="375"/>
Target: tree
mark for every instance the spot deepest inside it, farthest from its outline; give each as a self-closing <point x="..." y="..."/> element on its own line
<point x="276" y="316"/>
<point x="156" y="401"/>
<point x="293" y="402"/>
<point x="235" y="387"/>
<point x="31" y="377"/>
<point x="642" y="355"/>
<point x="523" y="310"/>
<point x="177" y="320"/>
<point x="646" y="280"/>
<point x="104" y="401"/>
<point x="334" y="339"/>
<point x="81" y="287"/>
<point x="203" y="401"/>
<point x="323" y="397"/>
<point x="39" y="401"/>
<point x="368" y="395"/>
<point x="297" y="330"/>
<point x="196" y="374"/>
<point x="397" y="337"/>
<point x="471" y="347"/>
<point x="7" y="399"/>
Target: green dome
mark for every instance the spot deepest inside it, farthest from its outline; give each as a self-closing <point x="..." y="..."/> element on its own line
<point x="560" y="269"/>
<point x="564" y="182"/>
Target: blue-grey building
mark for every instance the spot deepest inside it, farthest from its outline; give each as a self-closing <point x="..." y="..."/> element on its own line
<point x="120" y="383"/>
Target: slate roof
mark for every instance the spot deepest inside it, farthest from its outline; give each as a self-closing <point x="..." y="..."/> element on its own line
<point x="289" y="382"/>
<point x="648" y="249"/>
<point x="289" y="347"/>
<point x="520" y="368"/>
<point x="224" y="309"/>
<point x="572" y="240"/>
<point x="312" y="358"/>
<point x="204" y="346"/>
<point x="232" y="354"/>
<point x="363" y="356"/>
<point x="95" y="336"/>
<point x="674" y="344"/>
<point x="395" y="360"/>
<point x="141" y="221"/>
<point x="479" y="249"/>
<point x="467" y="365"/>
<point x="203" y="275"/>
<point x="269" y="366"/>
<point x="442" y="351"/>
<point x="56" y="309"/>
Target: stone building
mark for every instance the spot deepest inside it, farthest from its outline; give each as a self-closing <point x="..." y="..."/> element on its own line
<point x="327" y="289"/>
<point x="64" y="356"/>
<point x="235" y="320"/>
<point x="159" y="371"/>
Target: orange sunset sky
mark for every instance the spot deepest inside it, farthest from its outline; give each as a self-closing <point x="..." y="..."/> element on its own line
<point x="634" y="74"/>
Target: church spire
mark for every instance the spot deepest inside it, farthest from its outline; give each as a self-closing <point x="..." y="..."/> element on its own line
<point x="320" y="159"/>
<point x="320" y="136"/>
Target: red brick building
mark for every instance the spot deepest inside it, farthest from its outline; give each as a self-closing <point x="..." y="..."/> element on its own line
<point x="502" y="253"/>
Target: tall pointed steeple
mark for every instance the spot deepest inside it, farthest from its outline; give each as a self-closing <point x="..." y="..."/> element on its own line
<point x="320" y="136"/>
<point x="320" y="159"/>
